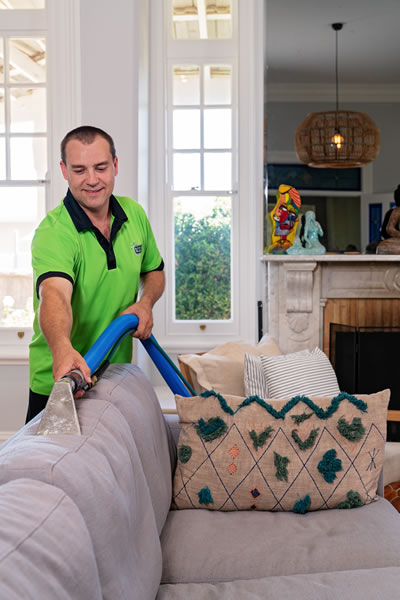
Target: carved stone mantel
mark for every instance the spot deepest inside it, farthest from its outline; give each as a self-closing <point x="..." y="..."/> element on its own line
<point x="298" y="286"/>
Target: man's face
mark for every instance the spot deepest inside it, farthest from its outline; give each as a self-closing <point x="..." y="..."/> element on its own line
<point x="90" y="171"/>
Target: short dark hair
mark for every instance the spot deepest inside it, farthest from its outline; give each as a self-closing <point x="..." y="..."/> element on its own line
<point x="86" y="134"/>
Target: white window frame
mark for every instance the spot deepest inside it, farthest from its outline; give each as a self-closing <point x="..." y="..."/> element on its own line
<point x="216" y="327"/>
<point x="59" y="23"/>
<point x="246" y="48"/>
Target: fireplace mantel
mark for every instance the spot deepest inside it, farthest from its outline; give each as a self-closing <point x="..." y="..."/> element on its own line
<point x="297" y="288"/>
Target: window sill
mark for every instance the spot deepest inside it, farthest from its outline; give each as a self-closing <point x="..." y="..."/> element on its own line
<point x="14" y="344"/>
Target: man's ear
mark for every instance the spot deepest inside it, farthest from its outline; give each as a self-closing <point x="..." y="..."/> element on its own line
<point x="63" y="169"/>
<point x="116" y="165"/>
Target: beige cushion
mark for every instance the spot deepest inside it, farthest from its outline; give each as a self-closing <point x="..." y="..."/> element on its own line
<point x="222" y="368"/>
<point x="299" y="454"/>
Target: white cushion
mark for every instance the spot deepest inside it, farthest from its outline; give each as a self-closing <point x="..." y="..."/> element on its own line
<point x="309" y="374"/>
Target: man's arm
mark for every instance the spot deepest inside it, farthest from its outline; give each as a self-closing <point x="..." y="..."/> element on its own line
<point x="153" y="284"/>
<point x="55" y="320"/>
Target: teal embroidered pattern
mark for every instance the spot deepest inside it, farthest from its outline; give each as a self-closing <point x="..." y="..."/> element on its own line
<point x="223" y="403"/>
<point x="281" y="463"/>
<point x="299" y="454"/>
<point x="184" y="453"/>
<point x="211" y="429"/>
<point x="353" y="431"/>
<point x="299" y="419"/>
<point x="329" y="466"/>
<point x="259" y="440"/>
<point x="205" y="496"/>
<point x="320" y="413"/>
<point x="353" y="500"/>
<point x="302" y="505"/>
<point x="309" y="442"/>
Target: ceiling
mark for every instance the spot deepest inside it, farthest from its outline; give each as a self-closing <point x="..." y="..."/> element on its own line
<point x="300" y="42"/>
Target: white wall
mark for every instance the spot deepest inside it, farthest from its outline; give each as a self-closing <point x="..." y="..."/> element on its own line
<point x="109" y="79"/>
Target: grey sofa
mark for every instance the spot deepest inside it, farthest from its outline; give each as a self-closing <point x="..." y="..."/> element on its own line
<point x="89" y="517"/>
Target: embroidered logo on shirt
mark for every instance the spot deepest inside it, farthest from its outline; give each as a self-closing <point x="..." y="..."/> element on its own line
<point x="137" y="248"/>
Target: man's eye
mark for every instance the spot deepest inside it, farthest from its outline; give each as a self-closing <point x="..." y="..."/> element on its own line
<point x="78" y="171"/>
<point x="101" y="168"/>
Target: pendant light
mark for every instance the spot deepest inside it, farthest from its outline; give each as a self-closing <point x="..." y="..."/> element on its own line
<point x="337" y="138"/>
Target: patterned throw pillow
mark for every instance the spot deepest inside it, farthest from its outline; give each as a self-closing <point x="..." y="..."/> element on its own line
<point x="289" y="455"/>
<point x="290" y="375"/>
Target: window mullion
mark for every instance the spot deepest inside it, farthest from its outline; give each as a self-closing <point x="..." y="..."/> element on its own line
<point x="6" y="72"/>
<point x="202" y="127"/>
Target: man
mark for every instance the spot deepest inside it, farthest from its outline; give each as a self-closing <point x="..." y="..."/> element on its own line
<point x="88" y="255"/>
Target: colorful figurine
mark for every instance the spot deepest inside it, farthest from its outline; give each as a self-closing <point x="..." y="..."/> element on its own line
<point x="284" y="218"/>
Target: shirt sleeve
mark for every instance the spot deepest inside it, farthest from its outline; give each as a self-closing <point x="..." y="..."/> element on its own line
<point x="54" y="253"/>
<point x="152" y="259"/>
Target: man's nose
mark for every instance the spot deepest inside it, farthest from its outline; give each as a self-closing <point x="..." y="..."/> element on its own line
<point x="92" y="177"/>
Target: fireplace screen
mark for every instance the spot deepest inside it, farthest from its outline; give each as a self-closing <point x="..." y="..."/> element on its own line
<point x="366" y="360"/>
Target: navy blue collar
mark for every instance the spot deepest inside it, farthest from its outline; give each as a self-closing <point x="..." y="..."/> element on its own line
<point x="82" y="221"/>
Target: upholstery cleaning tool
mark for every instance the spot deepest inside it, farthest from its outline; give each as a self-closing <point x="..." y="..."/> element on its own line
<point x="60" y="413"/>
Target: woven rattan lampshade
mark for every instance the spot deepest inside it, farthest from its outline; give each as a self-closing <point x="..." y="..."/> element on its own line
<point x="314" y="145"/>
<point x="337" y="139"/>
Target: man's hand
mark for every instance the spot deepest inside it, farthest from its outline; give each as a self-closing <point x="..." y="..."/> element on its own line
<point x="65" y="359"/>
<point x="143" y="311"/>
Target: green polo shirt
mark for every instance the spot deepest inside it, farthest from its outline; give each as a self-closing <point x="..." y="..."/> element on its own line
<point x="105" y="275"/>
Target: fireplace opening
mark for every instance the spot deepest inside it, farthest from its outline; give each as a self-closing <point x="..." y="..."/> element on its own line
<point x="366" y="360"/>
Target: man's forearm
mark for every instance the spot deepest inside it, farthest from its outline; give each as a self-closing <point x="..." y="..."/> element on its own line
<point x="55" y="317"/>
<point x="55" y="320"/>
<point x="153" y="285"/>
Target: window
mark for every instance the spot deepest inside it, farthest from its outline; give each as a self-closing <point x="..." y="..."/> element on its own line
<point x="21" y="4"/>
<point x="201" y="191"/>
<point x="33" y="118"/>
<point x="202" y="176"/>
<point x="201" y="19"/>
<point x="23" y="160"/>
<point x="206" y="193"/>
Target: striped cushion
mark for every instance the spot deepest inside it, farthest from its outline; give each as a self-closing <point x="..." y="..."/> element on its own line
<point x="255" y="383"/>
<point x="299" y="374"/>
<point x="254" y="380"/>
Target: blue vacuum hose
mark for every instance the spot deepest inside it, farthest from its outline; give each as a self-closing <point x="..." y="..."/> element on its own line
<point x="104" y="347"/>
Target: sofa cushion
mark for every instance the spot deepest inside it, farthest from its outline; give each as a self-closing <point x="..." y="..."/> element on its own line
<point x="45" y="547"/>
<point x="101" y="471"/>
<point x="222" y="368"/>
<point x="292" y="455"/>
<point x="210" y="546"/>
<point x="357" y="585"/>
<point x="307" y="373"/>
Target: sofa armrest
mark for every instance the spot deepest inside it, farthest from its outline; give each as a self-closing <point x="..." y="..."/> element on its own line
<point x="35" y="517"/>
